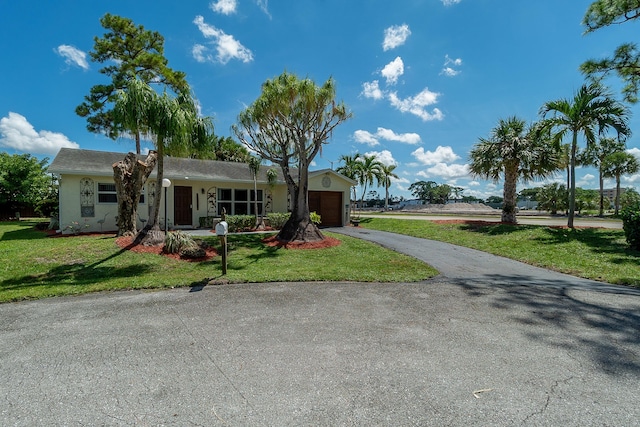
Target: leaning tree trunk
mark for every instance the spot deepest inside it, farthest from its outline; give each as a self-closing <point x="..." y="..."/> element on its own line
<point x="299" y="226"/>
<point x="152" y="235"/>
<point x="130" y="175"/>
<point x="509" y="195"/>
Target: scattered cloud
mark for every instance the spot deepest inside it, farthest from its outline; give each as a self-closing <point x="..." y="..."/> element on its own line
<point x="441" y="155"/>
<point x="17" y="133"/>
<point x="416" y="105"/>
<point x="364" y="137"/>
<point x="372" y="139"/>
<point x="226" y="46"/>
<point x="73" y="56"/>
<point x="474" y="184"/>
<point x="393" y="70"/>
<point x="450" y="2"/>
<point x="395" y="36"/>
<point x="449" y="63"/>
<point x="264" y="5"/>
<point x="635" y="151"/>
<point x="372" y="90"/>
<point x="385" y="157"/>
<point x="225" y="7"/>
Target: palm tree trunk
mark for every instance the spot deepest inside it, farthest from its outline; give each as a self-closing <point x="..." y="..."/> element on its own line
<point x="617" y="207"/>
<point x="509" y="194"/>
<point x="386" y="197"/>
<point x="601" y="191"/>
<point x="572" y="189"/>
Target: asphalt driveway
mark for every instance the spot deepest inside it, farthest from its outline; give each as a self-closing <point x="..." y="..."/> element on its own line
<point x="489" y="342"/>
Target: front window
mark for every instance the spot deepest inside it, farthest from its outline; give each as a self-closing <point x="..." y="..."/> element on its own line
<point x="239" y="201"/>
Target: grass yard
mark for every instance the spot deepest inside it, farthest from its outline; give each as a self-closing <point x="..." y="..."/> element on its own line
<point x="33" y="265"/>
<point x="593" y="253"/>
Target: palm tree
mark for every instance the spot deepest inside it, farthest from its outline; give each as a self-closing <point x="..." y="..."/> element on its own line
<point x="591" y="111"/>
<point x="386" y="173"/>
<point x="174" y="125"/>
<point x="350" y="169"/>
<point x="617" y="164"/>
<point x="552" y="198"/>
<point x="369" y="171"/>
<point x="254" y="167"/>
<point x="513" y="152"/>
<point x="595" y="155"/>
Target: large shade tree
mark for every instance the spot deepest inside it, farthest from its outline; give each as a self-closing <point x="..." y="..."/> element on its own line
<point x="591" y="112"/>
<point x="513" y="151"/>
<point x="617" y="164"/>
<point x="129" y="52"/>
<point x="288" y="125"/>
<point x="625" y="61"/>
<point x="174" y="126"/>
<point x="23" y="182"/>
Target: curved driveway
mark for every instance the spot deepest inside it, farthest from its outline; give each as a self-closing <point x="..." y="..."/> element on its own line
<point x="489" y="342"/>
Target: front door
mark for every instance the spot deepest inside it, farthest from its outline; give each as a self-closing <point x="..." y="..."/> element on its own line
<point x="182" y="205"/>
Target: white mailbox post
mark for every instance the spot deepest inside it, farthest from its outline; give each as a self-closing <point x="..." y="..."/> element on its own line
<point x="222" y="228"/>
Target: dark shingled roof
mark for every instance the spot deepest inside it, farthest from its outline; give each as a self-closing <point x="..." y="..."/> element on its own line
<point x="78" y="162"/>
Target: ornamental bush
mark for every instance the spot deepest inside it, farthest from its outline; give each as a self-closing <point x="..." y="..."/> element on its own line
<point x="631" y="224"/>
<point x="240" y="222"/>
<point x="277" y="219"/>
<point x="175" y="241"/>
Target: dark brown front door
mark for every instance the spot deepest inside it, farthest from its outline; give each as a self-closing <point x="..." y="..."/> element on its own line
<point x="182" y="197"/>
<point x="327" y="204"/>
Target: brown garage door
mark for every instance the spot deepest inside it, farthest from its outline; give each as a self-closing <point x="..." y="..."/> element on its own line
<point x="328" y="204"/>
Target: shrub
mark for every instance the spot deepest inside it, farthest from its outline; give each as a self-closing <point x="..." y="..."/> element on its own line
<point x="192" y="252"/>
<point x="176" y="241"/>
<point x="631" y="224"/>
<point x="207" y="221"/>
<point x="315" y="218"/>
<point x="240" y="222"/>
<point x="278" y="219"/>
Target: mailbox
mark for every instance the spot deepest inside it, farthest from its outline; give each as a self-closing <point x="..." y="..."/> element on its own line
<point x="222" y="228"/>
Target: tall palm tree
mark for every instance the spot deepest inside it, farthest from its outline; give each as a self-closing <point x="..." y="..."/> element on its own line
<point x="617" y="164"/>
<point x="350" y="169"/>
<point x="514" y="152"/>
<point x="174" y="124"/>
<point x="368" y="172"/>
<point x="595" y="155"/>
<point x="386" y="173"/>
<point x="591" y="111"/>
<point x="254" y="167"/>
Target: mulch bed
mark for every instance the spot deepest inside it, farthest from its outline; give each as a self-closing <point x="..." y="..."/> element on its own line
<point x="126" y="242"/>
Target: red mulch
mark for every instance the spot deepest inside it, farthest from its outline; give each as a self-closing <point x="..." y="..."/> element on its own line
<point x="327" y="242"/>
<point x="126" y="242"/>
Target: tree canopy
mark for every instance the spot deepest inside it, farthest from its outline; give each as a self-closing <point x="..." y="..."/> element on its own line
<point x="131" y="52"/>
<point x="626" y="58"/>
<point x="288" y="125"/>
<point x="23" y="182"/>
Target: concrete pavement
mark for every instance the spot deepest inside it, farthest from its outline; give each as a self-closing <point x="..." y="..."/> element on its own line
<point x="485" y="343"/>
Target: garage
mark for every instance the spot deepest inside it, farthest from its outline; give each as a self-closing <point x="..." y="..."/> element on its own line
<point x="327" y="204"/>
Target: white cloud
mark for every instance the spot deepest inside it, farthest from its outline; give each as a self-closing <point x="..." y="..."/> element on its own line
<point x="474" y="184"/>
<point x="393" y="70"/>
<point x="372" y="90"/>
<point x="441" y="155"/>
<point x="225" y="7"/>
<point x="416" y="105"/>
<point x="395" y="36"/>
<point x="445" y="171"/>
<point x="450" y="2"/>
<point x="449" y="63"/>
<point x="385" y="157"/>
<point x="73" y="56"/>
<point x="18" y="134"/>
<point x="635" y="151"/>
<point x="364" y="137"/>
<point x="372" y="140"/>
<point x="449" y="72"/>
<point x="264" y="5"/>
<point x="227" y="47"/>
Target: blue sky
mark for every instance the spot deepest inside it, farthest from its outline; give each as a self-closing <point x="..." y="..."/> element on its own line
<point x="424" y="78"/>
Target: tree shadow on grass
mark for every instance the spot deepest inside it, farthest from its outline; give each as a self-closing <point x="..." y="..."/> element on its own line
<point x="577" y="317"/>
<point x="600" y="240"/>
<point x="76" y="274"/>
<point x="492" y="228"/>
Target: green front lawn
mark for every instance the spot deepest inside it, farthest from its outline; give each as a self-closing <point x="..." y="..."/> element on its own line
<point x="594" y="253"/>
<point x="33" y="265"/>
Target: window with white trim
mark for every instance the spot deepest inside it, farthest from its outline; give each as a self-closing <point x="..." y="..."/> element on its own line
<point x="239" y="201"/>
<point x="107" y="193"/>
